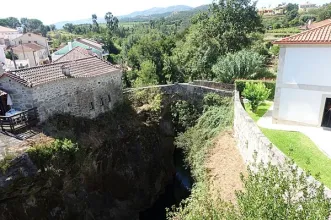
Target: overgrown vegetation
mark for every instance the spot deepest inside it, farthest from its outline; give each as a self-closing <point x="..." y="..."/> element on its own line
<point x="269" y="84"/>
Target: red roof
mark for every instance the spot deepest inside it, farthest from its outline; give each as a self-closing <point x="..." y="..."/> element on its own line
<point x="86" y="67"/>
<point x="319" y="35"/>
<point x="75" y="54"/>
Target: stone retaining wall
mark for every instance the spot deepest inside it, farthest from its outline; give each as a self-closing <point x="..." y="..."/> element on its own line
<point x="251" y="140"/>
<point x="215" y="85"/>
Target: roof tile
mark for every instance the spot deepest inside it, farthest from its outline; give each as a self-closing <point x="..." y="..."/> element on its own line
<point x="86" y="67"/>
<point x="319" y="35"/>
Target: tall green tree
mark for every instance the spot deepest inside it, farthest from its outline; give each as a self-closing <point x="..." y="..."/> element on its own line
<point x="226" y="28"/>
<point x="147" y="74"/>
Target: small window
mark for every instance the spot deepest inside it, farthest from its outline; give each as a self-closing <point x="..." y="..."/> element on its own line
<point x="35" y="41"/>
<point x="101" y="102"/>
<point x="29" y="35"/>
<point x="29" y="41"/>
<point x="109" y="98"/>
<point x="91" y="106"/>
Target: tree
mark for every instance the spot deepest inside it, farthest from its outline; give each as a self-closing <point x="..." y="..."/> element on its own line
<point x="34" y="25"/>
<point x="256" y="93"/>
<point x="52" y="27"/>
<point x="292" y="11"/>
<point x="112" y="22"/>
<point x="69" y="27"/>
<point x="225" y="29"/>
<point x="13" y="22"/>
<point x="95" y="23"/>
<point x="147" y="75"/>
<point x="244" y="64"/>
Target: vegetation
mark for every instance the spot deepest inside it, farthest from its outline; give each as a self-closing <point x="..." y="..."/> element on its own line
<point x="256" y="93"/>
<point x="270" y="84"/>
<point x="303" y="151"/>
<point x="241" y="65"/>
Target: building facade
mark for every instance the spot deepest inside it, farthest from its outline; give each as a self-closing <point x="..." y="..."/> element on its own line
<point x="34" y="53"/>
<point x="85" y="87"/>
<point x="303" y="90"/>
<point x="7" y="35"/>
<point x="28" y="38"/>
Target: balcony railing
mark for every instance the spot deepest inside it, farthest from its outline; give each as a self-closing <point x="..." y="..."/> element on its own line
<point x="19" y="121"/>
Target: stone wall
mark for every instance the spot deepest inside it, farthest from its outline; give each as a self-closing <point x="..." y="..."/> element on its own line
<point x="20" y="95"/>
<point x="186" y="90"/>
<point x="215" y="85"/>
<point x="251" y="141"/>
<point x="84" y="97"/>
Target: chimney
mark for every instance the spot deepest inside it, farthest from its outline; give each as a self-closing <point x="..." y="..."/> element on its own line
<point x="89" y="50"/>
<point x="66" y="70"/>
<point x="70" y="45"/>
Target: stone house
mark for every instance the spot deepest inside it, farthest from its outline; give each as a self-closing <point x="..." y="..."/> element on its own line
<point x="303" y="88"/>
<point x="83" y="87"/>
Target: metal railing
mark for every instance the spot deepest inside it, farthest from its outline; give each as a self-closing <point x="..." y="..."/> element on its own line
<point x="21" y="120"/>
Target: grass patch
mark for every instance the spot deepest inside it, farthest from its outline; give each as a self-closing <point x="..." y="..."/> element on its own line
<point x="261" y="110"/>
<point x="303" y="151"/>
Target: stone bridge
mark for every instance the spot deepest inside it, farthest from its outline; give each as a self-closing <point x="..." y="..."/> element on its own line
<point x="195" y="90"/>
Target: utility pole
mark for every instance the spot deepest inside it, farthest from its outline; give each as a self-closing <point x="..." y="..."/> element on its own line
<point x="13" y="57"/>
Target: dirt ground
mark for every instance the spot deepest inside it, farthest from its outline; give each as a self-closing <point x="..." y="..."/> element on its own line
<point x="224" y="165"/>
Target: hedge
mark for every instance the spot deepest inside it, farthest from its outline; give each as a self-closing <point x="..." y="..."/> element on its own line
<point x="240" y="85"/>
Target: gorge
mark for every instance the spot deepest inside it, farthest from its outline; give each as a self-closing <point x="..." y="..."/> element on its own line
<point x="121" y="165"/>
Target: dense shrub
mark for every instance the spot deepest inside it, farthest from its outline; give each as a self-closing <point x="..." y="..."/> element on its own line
<point x="241" y="84"/>
<point x="256" y="93"/>
<point x="244" y="64"/>
<point x="43" y="155"/>
<point x="184" y="115"/>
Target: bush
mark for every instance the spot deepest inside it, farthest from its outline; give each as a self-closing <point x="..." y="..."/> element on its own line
<point x="241" y="84"/>
<point x="256" y="93"/>
<point x="244" y="64"/>
<point x="184" y="115"/>
<point x="281" y="193"/>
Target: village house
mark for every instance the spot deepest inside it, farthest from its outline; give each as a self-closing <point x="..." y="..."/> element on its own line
<point x="33" y="53"/>
<point x="7" y="35"/>
<point x="85" y="87"/>
<point x="306" y="7"/>
<point x="303" y="90"/>
<point x="266" y="12"/>
<point x="97" y="48"/>
<point x="28" y="38"/>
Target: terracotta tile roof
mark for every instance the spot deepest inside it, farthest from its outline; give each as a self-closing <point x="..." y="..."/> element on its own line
<point x="29" y="47"/>
<point x="319" y="35"/>
<point x="5" y="29"/>
<point x="87" y="67"/>
<point x="75" y="54"/>
<point x="319" y="24"/>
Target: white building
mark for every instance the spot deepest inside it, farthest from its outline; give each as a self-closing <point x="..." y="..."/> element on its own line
<point x="35" y="53"/>
<point x="303" y="90"/>
<point x="7" y="35"/>
<point x="32" y="38"/>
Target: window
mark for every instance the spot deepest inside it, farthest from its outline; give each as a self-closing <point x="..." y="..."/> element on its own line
<point x="35" y="41"/>
<point x="29" y="41"/>
<point x="91" y="106"/>
<point x="29" y="35"/>
<point x="109" y="98"/>
<point x="101" y="102"/>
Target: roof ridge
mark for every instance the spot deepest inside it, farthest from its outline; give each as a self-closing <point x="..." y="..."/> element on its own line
<point x="47" y="65"/>
<point x="311" y="31"/>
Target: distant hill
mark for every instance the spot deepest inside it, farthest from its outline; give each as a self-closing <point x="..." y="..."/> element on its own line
<point x="150" y="14"/>
<point x="155" y="11"/>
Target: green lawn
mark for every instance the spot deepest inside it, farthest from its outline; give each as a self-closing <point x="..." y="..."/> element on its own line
<point x="303" y="151"/>
<point x="298" y="147"/>
<point x="263" y="108"/>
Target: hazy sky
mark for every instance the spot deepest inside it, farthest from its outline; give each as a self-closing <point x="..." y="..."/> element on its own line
<point x="65" y="10"/>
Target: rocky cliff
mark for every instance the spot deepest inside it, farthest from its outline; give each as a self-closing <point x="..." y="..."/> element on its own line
<point x="111" y="167"/>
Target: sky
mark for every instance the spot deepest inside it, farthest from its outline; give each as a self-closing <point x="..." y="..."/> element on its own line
<point x="50" y="12"/>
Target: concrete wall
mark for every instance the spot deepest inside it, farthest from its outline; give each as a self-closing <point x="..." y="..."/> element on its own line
<point x="72" y="95"/>
<point x="251" y="141"/>
<point x="303" y="84"/>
